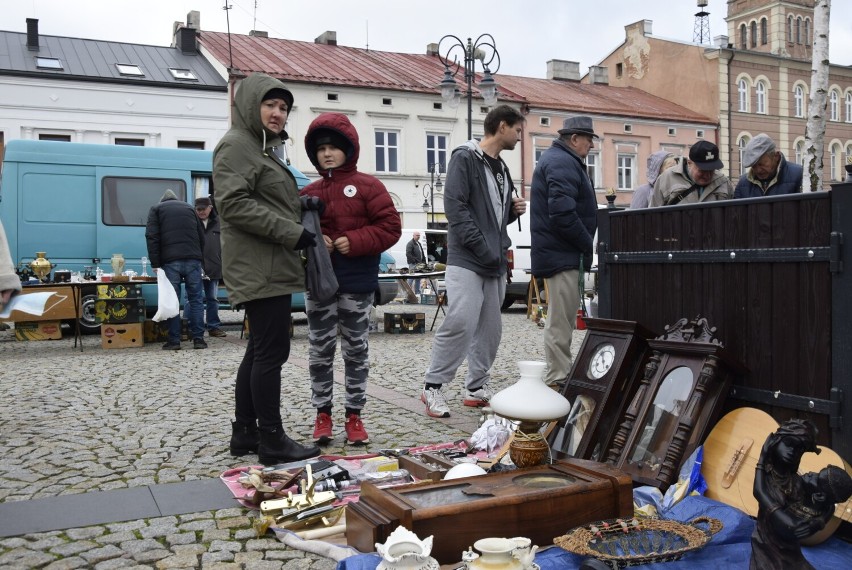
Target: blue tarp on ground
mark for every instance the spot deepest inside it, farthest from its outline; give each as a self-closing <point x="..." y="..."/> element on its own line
<point x="729" y="549"/>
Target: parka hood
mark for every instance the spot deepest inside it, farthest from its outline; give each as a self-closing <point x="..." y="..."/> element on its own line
<point x="168" y="195"/>
<point x="246" y="115"/>
<point x="337" y="123"/>
<point x="655" y="163"/>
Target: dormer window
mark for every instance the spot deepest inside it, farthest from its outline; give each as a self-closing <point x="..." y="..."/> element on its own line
<point x="48" y="63"/>
<point x="183" y="74"/>
<point x="129" y="69"/>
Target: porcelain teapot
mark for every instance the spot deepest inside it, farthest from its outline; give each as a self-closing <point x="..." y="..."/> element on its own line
<point x="403" y="550"/>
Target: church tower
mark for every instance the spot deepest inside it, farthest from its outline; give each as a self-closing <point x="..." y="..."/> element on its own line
<point x="778" y="27"/>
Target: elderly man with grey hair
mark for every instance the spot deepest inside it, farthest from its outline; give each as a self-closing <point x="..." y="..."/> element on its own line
<point x="769" y="173"/>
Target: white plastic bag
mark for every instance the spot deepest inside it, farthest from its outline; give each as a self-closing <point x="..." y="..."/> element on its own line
<point x="168" y="305"/>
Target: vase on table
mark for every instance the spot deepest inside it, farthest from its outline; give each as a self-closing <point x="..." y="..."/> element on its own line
<point x="117" y="262"/>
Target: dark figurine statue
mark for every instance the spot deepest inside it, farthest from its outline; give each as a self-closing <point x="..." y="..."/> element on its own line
<point x="792" y="506"/>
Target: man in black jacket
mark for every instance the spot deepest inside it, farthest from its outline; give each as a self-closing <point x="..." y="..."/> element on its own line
<point x="175" y="238"/>
<point x="212" y="263"/>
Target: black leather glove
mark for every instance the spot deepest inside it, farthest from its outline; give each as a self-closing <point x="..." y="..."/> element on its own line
<point x="307" y="239"/>
<point x="313" y="203"/>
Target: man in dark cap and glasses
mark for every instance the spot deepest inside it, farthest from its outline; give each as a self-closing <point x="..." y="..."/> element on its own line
<point x="697" y="179"/>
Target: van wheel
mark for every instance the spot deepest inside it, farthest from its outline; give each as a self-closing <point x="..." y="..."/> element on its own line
<point x="88" y="324"/>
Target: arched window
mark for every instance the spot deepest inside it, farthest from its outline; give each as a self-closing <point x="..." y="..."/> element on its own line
<point x="799" y="98"/>
<point x="799" y="30"/>
<point x="834" y="162"/>
<point x="763" y="38"/>
<point x="832" y="106"/>
<point x="743" y="142"/>
<point x="753" y="34"/>
<point x="742" y="91"/>
<point x="760" y="97"/>
<point x="790" y="29"/>
<point x="807" y="32"/>
<point x="743" y="37"/>
<point x="849" y="107"/>
<point x="800" y="153"/>
<point x="848" y="157"/>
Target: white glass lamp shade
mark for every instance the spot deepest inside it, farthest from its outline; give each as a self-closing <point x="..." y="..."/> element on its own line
<point x="530" y="399"/>
<point x="447" y="85"/>
<point x="488" y="88"/>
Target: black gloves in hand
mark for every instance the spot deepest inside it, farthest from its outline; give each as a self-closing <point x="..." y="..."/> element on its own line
<point x="313" y="203"/>
<point x="307" y="239"/>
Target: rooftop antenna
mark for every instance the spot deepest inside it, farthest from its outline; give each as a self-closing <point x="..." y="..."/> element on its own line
<point x="701" y="34"/>
<point x="367" y="24"/>
<point x="227" y="8"/>
<point x="254" y="17"/>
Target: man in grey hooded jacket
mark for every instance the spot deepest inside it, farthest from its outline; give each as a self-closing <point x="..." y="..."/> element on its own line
<point x="479" y="204"/>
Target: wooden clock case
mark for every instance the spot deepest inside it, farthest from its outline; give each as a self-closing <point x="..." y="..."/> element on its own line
<point x="680" y="396"/>
<point x="610" y="390"/>
<point x="540" y="503"/>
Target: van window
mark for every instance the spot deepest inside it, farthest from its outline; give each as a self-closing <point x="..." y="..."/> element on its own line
<point x="126" y="201"/>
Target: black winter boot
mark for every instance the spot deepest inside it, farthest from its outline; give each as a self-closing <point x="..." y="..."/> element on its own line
<point x="244" y="439"/>
<point x="276" y="447"/>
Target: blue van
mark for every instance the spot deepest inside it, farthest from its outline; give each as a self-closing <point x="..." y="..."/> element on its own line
<point x="81" y="203"/>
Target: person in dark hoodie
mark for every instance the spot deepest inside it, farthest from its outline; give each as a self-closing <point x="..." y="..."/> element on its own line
<point x="260" y="218"/>
<point x="479" y="203"/>
<point x="212" y="264"/>
<point x="359" y="222"/>
<point x="658" y="162"/>
<point x="175" y="239"/>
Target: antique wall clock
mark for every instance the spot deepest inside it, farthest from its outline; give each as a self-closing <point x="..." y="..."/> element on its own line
<point x="599" y="387"/>
<point x="679" y="397"/>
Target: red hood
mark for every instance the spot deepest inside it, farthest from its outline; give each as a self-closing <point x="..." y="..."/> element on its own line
<point x="339" y="123"/>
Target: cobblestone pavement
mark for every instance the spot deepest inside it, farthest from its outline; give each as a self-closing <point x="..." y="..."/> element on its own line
<point x="74" y="422"/>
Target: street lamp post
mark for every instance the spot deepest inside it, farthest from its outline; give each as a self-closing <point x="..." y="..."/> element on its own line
<point x="483" y="50"/>
<point x="429" y="203"/>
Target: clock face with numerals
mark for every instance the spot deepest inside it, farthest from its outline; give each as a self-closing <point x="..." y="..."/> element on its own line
<point x="601" y="361"/>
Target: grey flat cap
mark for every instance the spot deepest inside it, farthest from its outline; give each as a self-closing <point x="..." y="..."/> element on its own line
<point x="757" y="147"/>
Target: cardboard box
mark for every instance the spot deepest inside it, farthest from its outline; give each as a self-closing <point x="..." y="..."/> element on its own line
<point x="405" y="323"/>
<point x="119" y="290"/>
<point x="155" y="332"/>
<point x="125" y="335"/>
<point x="41" y="330"/>
<point x="113" y="311"/>
<point x="58" y="306"/>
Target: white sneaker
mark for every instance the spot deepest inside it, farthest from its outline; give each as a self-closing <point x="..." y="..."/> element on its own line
<point x="478" y="398"/>
<point x="436" y="402"/>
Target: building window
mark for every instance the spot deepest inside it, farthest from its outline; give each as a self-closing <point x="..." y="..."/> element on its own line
<point x="742" y="145"/>
<point x="628" y="128"/>
<point x="835" y="157"/>
<point x="848" y="157"/>
<point x="753" y="34"/>
<point x="799" y="30"/>
<point x="182" y="74"/>
<point x="763" y="34"/>
<point x="742" y="91"/>
<point x="593" y="168"/>
<point x="129" y="142"/>
<point x="436" y="151"/>
<point x="544" y="121"/>
<point x="790" y="29"/>
<point x="626" y="171"/>
<point x="129" y="69"/>
<point x="807" y="32"/>
<point x="699" y="133"/>
<point x="537" y="152"/>
<point x="832" y="106"/>
<point x="387" y="151"/>
<point x="743" y="37"/>
<point x="760" y="97"/>
<point x="800" y="153"/>
<point x="799" y="99"/>
<point x="48" y="63"/>
<point x="672" y="131"/>
<point x="619" y="69"/>
<point x="54" y="137"/>
<point x="195" y="145"/>
<point x="849" y="107"/>
<point x="332" y="97"/>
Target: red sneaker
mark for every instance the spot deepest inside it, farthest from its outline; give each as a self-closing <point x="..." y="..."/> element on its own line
<point x="322" y="428"/>
<point x="355" y="432"/>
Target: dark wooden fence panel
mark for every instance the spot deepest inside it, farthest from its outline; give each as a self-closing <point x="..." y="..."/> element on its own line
<point x="772" y="312"/>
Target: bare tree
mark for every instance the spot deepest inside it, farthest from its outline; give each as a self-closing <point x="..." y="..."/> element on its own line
<point x="815" y="133"/>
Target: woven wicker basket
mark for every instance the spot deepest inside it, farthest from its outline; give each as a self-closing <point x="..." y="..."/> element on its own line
<point x="621" y="542"/>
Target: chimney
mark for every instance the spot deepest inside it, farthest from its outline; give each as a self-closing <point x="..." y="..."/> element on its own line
<point x="258" y="34"/>
<point x="642" y="26"/>
<point x="328" y="38"/>
<point x="721" y="42"/>
<point x="32" y="34"/>
<point x="187" y="41"/>
<point x="193" y="20"/>
<point x="432" y="49"/>
<point x="598" y="75"/>
<point x="563" y="70"/>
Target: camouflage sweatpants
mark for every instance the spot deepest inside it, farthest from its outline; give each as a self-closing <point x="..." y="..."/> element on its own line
<point x="348" y="314"/>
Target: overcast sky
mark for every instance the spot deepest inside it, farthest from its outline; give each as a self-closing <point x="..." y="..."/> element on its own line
<point x="527" y="33"/>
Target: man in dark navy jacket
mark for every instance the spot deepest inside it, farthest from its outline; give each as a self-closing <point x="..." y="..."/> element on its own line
<point x="769" y="173"/>
<point x="175" y="238"/>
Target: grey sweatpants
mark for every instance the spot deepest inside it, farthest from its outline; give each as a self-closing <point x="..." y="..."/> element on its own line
<point x="472" y="328"/>
<point x="348" y="313"/>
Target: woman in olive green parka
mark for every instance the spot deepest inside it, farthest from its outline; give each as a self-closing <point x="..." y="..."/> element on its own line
<point x="260" y="215"/>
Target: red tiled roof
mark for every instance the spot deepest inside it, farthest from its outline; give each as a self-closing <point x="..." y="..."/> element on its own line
<point x="307" y="62"/>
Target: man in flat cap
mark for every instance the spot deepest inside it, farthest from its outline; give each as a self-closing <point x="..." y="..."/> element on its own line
<point x="698" y="178"/>
<point x="563" y="221"/>
<point x="769" y="173"/>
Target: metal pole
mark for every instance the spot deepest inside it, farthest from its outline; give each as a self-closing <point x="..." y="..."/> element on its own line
<point x="468" y="75"/>
<point x="432" y="195"/>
